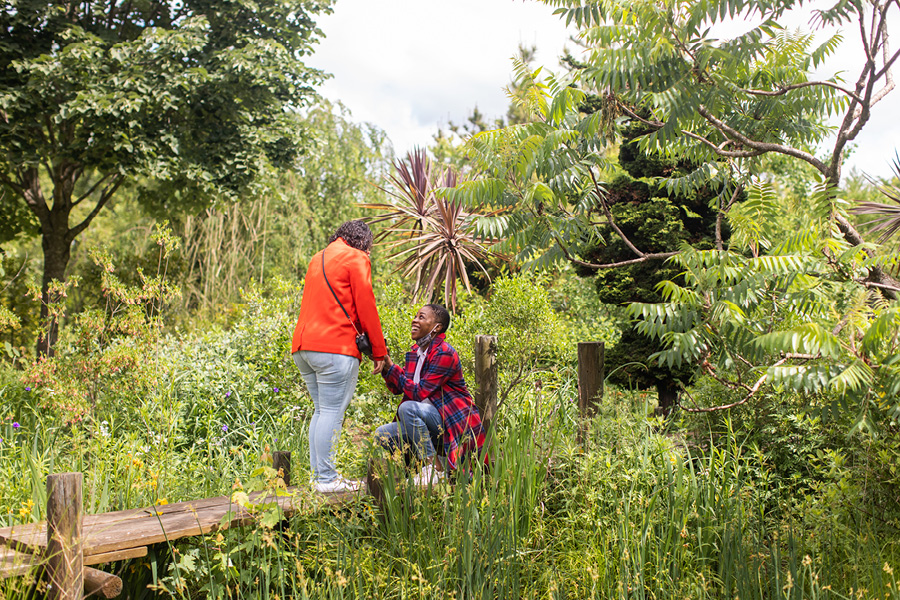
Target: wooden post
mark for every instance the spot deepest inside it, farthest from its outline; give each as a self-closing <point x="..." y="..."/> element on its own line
<point x="486" y="377"/>
<point x="282" y="460"/>
<point x="65" y="554"/>
<point x="100" y="583"/>
<point x="590" y="382"/>
<point x="376" y="469"/>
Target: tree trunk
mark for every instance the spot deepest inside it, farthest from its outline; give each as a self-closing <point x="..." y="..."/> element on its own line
<point x="57" y="252"/>
<point x="667" y="395"/>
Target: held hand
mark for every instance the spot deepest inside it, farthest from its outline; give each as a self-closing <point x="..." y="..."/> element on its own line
<point x="383" y="365"/>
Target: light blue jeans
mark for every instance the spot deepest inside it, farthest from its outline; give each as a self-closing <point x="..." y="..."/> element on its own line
<point x="331" y="379"/>
<point x="418" y="427"/>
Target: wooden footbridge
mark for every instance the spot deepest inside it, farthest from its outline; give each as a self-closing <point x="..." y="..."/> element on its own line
<point x="68" y="544"/>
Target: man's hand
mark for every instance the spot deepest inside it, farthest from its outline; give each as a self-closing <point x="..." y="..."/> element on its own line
<point x="383" y="365"/>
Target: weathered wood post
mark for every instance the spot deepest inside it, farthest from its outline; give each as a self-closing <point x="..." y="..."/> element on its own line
<point x="65" y="553"/>
<point x="486" y="377"/>
<point x="590" y="383"/>
<point x="102" y="584"/>
<point x="282" y="460"/>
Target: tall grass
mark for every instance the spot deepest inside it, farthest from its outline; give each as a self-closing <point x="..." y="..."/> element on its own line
<point x="641" y="514"/>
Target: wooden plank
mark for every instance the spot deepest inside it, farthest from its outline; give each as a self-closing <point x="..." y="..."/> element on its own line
<point x="108" y="557"/>
<point x="14" y="563"/>
<point x="27" y="537"/>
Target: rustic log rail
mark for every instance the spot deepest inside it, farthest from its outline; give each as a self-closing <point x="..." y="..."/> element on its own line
<point x="69" y="543"/>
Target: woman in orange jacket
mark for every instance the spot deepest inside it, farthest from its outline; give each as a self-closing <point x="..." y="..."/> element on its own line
<point x="324" y="341"/>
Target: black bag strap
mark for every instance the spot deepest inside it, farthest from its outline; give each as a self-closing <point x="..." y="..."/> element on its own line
<point x="346" y="314"/>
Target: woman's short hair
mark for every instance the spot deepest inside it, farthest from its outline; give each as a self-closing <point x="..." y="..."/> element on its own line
<point x="442" y="316"/>
<point x="356" y="233"/>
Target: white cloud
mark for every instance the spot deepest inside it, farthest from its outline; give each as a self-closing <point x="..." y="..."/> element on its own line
<point x="411" y="66"/>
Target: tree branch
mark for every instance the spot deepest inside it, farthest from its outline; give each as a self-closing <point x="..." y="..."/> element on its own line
<point x="751" y="390"/>
<point x="635" y="116"/>
<point x="720" y="245"/>
<point x="598" y="266"/>
<point x="101" y="202"/>
<point x="609" y="217"/>
<point x="720" y="149"/>
<point x="761" y="146"/>
<point x="93" y="189"/>
<point x="796" y="86"/>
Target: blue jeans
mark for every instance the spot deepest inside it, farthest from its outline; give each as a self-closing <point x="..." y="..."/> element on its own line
<point x="331" y="379"/>
<point x="418" y="427"/>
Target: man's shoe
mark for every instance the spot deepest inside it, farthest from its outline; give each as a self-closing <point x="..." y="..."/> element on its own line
<point x="337" y="486"/>
<point x="428" y="476"/>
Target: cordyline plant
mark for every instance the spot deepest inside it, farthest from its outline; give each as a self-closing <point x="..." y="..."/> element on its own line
<point x="885" y="217"/>
<point x="433" y="238"/>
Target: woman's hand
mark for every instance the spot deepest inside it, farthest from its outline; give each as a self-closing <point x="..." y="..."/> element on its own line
<point x="383" y="365"/>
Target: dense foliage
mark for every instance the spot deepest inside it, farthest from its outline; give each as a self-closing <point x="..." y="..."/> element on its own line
<point x="190" y="101"/>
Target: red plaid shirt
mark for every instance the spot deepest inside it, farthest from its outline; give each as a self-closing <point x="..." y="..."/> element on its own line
<point x="441" y="381"/>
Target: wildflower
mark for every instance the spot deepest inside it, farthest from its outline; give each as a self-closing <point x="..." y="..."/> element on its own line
<point x="224" y="428"/>
<point x="227" y="394"/>
<point x="27" y="389"/>
<point x="276" y="390"/>
<point x="16" y="425"/>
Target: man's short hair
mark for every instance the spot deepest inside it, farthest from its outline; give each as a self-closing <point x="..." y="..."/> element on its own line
<point x="442" y="316"/>
<point x="356" y="233"/>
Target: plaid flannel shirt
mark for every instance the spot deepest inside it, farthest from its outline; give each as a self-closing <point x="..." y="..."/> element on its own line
<point x="441" y="381"/>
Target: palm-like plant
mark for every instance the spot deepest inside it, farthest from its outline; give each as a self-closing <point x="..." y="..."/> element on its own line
<point x="886" y="217"/>
<point x="433" y="238"/>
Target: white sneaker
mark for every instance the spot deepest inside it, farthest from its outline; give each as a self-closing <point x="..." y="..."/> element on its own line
<point x="428" y="475"/>
<point x="337" y="486"/>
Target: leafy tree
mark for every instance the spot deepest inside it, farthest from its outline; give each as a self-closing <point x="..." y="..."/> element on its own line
<point x="654" y="218"/>
<point x="795" y="318"/>
<point x="733" y="107"/>
<point x="739" y="99"/>
<point x="198" y="97"/>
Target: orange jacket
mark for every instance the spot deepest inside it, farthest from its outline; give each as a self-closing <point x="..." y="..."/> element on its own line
<point x="322" y="325"/>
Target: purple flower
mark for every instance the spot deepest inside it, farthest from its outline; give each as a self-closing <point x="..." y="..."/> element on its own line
<point x="27" y="389"/>
<point x="227" y="394"/>
<point x="276" y="390"/>
<point x="16" y="425"/>
<point x="224" y="428"/>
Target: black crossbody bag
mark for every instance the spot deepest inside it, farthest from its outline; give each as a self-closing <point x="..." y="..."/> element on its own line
<point x="362" y="338"/>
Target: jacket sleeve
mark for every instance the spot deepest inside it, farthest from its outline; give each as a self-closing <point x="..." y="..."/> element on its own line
<point x="437" y="371"/>
<point x="392" y="378"/>
<point x="364" y="300"/>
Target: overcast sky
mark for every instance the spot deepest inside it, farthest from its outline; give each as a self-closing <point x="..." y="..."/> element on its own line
<point x="411" y="66"/>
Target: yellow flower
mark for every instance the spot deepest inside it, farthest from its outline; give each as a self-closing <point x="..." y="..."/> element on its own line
<point x="161" y="501"/>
